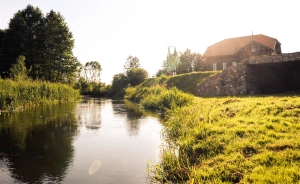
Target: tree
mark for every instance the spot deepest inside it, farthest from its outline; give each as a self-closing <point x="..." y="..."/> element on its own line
<point x="161" y="72"/>
<point x="136" y="76"/>
<point x="18" y="70"/>
<point x="58" y="55"/>
<point x="23" y="37"/>
<point x="119" y="83"/>
<point x="186" y="62"/>
<point x="170" y="64"/>
<point x="131" y="63"/>
<point x="2" y="65"/>
<point x="46" y="42"/>
<point x="92" y="71"/>
<point x="198" y="64"/>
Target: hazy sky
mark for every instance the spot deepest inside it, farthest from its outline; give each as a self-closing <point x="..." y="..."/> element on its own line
<point x="108" y="31"/>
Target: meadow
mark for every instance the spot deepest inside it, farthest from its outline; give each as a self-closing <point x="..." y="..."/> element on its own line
<point x="249" y="139"/>
<point x="232" y="140"/>
<point x="25" y="93"/>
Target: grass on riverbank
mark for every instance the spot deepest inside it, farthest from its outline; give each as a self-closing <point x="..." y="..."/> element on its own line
<point x="232" y="140"/>
<point x="22" y="94"/>
<point x="184" y="82"/>
<point x="158" y="98"/>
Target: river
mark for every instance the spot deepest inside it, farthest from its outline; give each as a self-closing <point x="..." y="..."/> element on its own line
<point x="90" y="141"/>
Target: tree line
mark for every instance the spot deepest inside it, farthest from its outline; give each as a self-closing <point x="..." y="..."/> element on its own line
<point x="180" y="63"/>
<point x="44" y="40"/>
<point x="39" y="47"/>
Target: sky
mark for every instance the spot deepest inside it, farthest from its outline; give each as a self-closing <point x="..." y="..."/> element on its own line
<point x="108" y="31"/>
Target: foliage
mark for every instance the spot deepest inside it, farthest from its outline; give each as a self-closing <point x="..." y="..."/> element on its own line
<point x="226" y="140"/>
<point x="92" y="71"/>
<point x="190" y="62"/>
<point x="159" y="98"/>
<point x="96" y="89"/>
<point x="133" y="75"/>
<point x="24" y="36"/>
<point x="131" y="63"/>
<point x="170" y="64"/>
<point x="18" y="70"/>
<point x="119" y="83"/>
<point x="184" y="63"/>
<point x="21" y="94"/>
<point x="161" y="72"/>
<point x="45" y="41"/>
<point x="136" y="76"/>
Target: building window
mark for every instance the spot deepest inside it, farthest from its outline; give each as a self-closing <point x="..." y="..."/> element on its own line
<point x="224" y="66"/>
<point x="214" y="66"/>
<point x="234" y="64"/>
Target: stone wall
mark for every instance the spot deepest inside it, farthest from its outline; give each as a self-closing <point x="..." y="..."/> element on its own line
<point x="260" y="74"/>
<point x="275" y="58"/>
<point x="231" y="81"/>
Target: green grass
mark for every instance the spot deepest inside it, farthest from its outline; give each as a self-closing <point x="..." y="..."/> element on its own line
<point x="22" y="94"/>
<point x="232" y="140"/>
<point x="183" y="82"/>
<point x="158" y="98"/>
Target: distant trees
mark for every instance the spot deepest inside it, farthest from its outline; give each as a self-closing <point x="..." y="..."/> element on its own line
<point x="184" y="63"/>
<point x="136" y="76"/>
<point x="133" y="75"/>
<point x="45" y="41"/>
<point x="92" y="71"/>
<point x="131" y="63"/>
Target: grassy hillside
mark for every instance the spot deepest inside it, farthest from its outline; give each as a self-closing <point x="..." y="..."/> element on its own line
<point x="232" y="140"/>
<point x="184" y="82"/>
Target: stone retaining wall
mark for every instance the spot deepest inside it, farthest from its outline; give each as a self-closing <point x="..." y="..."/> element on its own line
<point x="231" y="81"/>
<point x="260" y="74"/>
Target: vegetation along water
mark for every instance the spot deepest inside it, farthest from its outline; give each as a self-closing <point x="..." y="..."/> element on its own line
<point x="245" y="139"/>
<point x="252" y="139"/>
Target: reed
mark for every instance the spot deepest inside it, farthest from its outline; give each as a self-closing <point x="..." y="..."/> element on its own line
<point x="22" y="94"/>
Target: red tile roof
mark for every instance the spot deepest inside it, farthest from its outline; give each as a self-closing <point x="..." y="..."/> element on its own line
<point x="230" y="46"/>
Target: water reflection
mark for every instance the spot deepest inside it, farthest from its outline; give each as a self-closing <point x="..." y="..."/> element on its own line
<point x="88" y="113"/>
<point x="36" y="144"/>
<point x="91" y="141"/>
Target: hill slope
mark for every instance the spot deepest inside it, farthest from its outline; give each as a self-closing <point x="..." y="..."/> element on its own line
<point x="184" y="82"/>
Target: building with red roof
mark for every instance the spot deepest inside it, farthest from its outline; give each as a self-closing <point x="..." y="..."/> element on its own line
<point x="230" y="51"/>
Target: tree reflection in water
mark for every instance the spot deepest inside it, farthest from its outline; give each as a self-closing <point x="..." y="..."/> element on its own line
<point x="37" y="143"/>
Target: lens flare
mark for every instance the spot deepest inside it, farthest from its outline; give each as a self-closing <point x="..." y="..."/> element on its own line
<point x="94" y="167"/>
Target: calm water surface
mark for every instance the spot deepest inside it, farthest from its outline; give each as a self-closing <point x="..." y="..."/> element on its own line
<point x="92" y="141"/>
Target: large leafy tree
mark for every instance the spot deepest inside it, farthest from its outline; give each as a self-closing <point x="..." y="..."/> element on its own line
<point x="23" y="37"/>
<point x="136" y="76"/>
<point x="46" y="42"/>
<point x="58" y="55"/>
<point x="119" y="83"/>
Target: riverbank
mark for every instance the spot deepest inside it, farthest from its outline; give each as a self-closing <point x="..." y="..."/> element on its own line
<point x="22" y="94"/>
<point x="251" y="139"/>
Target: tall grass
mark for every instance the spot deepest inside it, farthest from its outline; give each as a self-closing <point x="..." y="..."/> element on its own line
<point x="22" y="94"/>
<point x="232" y="140"/>
<point x="159" y="98"/>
